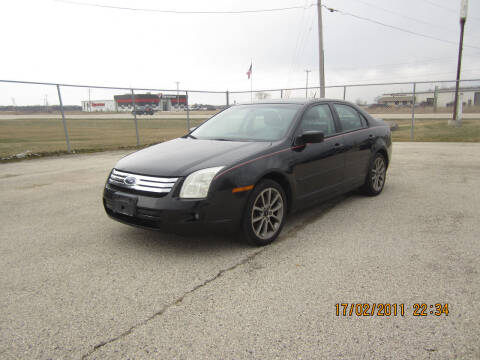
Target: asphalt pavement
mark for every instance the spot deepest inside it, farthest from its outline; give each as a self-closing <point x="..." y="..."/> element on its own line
<point x="76" y="284"/>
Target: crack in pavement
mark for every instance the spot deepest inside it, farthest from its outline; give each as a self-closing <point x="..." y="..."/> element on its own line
<point x="324" y="208"/>
<point x="176" y="302"/>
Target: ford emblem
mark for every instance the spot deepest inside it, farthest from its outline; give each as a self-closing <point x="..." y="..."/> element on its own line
<point x="130" y="180"/>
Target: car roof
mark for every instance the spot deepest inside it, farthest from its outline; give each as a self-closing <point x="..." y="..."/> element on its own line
<point x="298" y="101"/>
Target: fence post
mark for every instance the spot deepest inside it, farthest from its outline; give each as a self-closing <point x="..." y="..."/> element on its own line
<point x="344" y="92"/>
<point x="188" y="111"/>
<point x="63" y="118"/>
<point x="228" y="98"/>
<point x="281" y="93"/>
<point x="135" y="116"/>
<point x="413" y="112"/>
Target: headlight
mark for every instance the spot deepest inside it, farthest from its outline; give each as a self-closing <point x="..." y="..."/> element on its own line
<point x="196" y="184"/>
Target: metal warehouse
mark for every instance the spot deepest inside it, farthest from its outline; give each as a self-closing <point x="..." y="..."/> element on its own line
<point x="437" y="97"/>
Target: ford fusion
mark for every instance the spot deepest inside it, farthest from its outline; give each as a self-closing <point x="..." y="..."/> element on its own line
<point x="249" y="166"/>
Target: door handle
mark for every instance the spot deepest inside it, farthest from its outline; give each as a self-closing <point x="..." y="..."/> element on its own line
<point x="370" y="136"/>
<point x="338" y="146"/>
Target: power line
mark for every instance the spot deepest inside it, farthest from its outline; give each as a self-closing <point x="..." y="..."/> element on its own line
<point x="449" y="9"/>
<point x="439" y="6"/>
<point x="401" y="15"/>
<point x="71" y="2"/>
<point x="297" y="42"/>
<point x="358" y="82"/>
<point x="374" y="66"/>
<point x="395" y="27"/>
<point x="300" y="45"/>
<point x="182" y="11"/>
<point x="303" y="41"/>
<point x="431" y="60"/>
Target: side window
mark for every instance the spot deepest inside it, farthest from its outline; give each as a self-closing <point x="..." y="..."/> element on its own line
<point x="318" y="118"/>
<point x="349" y="117"/>
<point x="364" y="121"/>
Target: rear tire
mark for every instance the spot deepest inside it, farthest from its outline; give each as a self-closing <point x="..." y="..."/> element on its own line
<point x="265" y="213"/>
<point x="376" y="176"/>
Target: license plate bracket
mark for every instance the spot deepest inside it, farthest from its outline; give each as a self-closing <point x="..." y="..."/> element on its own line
<point x="124" y="204"/>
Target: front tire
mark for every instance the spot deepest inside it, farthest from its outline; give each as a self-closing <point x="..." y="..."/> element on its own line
<point x="376" y="176"/>
<point x="265" y="213"/>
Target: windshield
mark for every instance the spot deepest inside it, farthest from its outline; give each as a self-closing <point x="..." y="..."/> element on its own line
<point x="259" y="122"/>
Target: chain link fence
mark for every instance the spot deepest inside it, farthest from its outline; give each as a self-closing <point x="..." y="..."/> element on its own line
<point x="38" y="118"/>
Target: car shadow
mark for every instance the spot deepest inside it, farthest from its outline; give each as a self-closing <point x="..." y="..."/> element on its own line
<point x="161" y="241"/>
<point x="301" y="218"/>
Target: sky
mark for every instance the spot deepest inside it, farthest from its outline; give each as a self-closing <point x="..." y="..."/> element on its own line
<point x="67" y="42"/>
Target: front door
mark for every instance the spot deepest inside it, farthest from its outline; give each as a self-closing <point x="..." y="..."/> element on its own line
<point x="318" y="168"/>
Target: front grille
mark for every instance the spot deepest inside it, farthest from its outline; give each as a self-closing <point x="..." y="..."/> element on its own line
<point x="159" y="185"/>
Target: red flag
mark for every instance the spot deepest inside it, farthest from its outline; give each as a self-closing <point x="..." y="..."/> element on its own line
<point x="249" y="72"/>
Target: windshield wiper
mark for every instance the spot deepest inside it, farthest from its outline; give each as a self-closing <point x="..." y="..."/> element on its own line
<point x="190" y="135"/>
<point x="222" y="139"/>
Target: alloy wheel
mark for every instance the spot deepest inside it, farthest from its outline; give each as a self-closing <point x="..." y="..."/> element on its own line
<point x="267" y="213"/>
<point x="378" y="174"/>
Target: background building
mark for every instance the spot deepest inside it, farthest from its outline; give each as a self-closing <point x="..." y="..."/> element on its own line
<point x="396" y="99"/>
<point x="125" y="102"/>
<point x="158" y="102"/>
<point x="99" y="105"/>
<point x="437" y="97"/>
<point x="170" y="101"/>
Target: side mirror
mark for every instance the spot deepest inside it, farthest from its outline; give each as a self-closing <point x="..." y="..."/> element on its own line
<point x="310" y="137"/>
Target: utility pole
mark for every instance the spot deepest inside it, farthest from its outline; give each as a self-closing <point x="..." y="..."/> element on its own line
<point x="178" y="83"/>
<point x="306" y="85"/>
<point x="321" y="65"/>
<point x="45" y="102"/>
<point x="463" y="18"/>
<point x="89" y="101"/>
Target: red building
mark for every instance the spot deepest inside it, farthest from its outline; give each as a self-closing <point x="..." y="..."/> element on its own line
<point x="159" y="102"/>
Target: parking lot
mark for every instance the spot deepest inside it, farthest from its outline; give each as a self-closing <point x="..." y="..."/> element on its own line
<point x="75" y="284"/>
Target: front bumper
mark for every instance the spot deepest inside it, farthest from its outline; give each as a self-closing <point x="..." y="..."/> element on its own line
<point x="218" y="214"/>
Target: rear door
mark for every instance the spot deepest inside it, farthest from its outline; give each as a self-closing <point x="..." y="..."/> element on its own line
<point x="318" y="168"/>
<point x="358" y="140"/>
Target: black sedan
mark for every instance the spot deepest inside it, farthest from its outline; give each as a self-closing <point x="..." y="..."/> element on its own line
<point x="249" y="166"/>
<point x="142" y="110"/>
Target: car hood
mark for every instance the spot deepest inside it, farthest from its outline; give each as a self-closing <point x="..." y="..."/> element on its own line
<point x="182" y="156"/>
